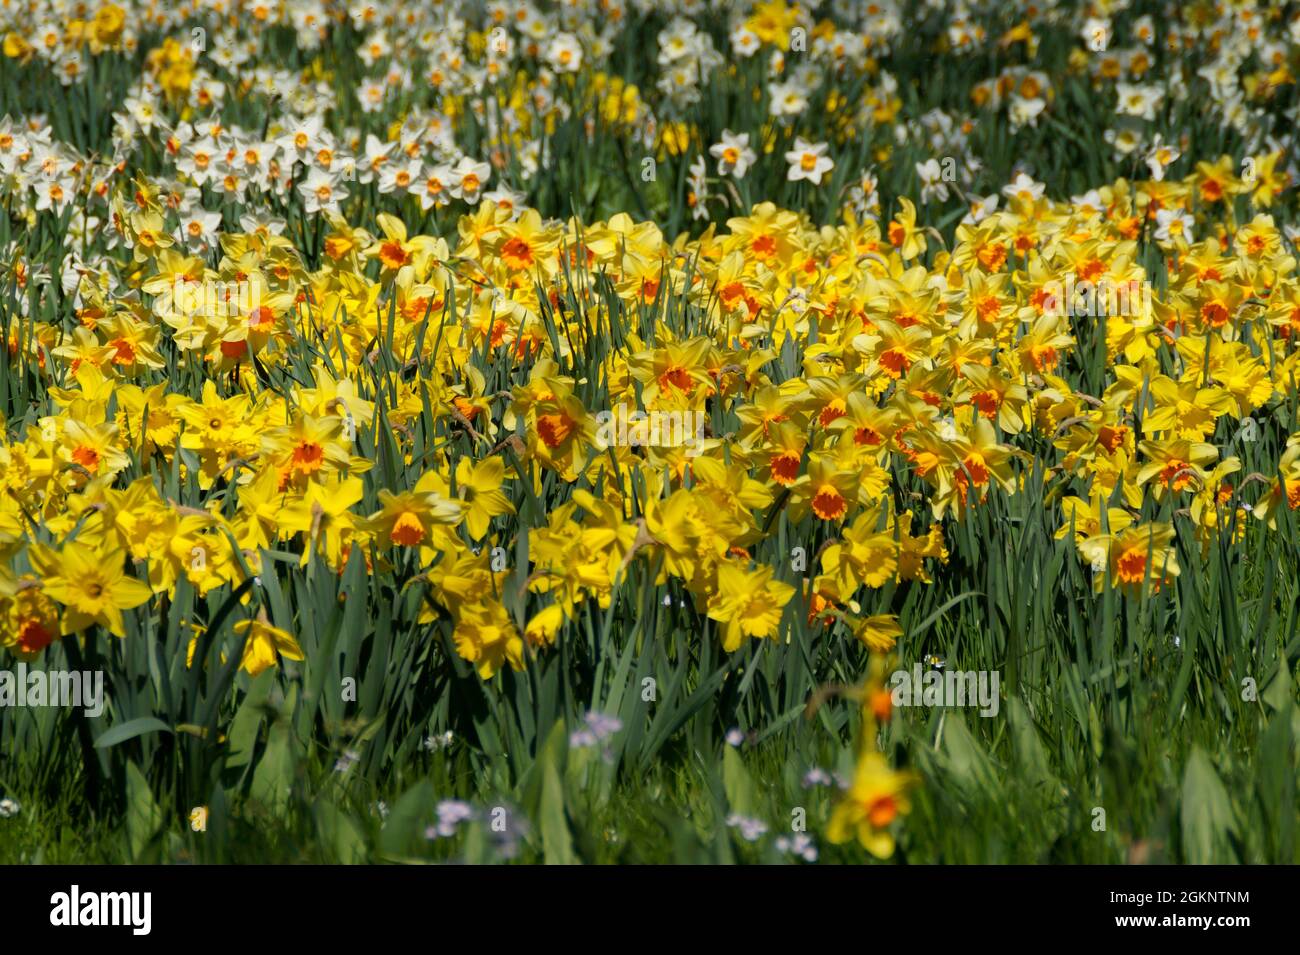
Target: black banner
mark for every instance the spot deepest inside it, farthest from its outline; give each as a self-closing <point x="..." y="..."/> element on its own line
<point x="336" y="904"/>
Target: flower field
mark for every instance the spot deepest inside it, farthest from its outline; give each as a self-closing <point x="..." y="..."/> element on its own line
<point x="618" y="431"/>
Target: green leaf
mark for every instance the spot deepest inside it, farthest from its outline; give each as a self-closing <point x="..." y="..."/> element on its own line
<point x="1031" y="758"/>
<point x="248" y="720"/>
<point x="144" y="819"/>
<point x="339" y="832"/>
<point x="402" y="827"/>
<point x="738" y="784"/>
<point x="1275" y="782"/>
<point x="274" y="776"/>
<point x="967" y="762"/>
<point x="130" y="730"/>
<point x="1280" y="692"/>
<point x="1207" y="818"/>
<point x="557" y="841"/>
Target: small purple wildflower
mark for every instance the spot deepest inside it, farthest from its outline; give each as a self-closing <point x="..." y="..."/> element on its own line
<point x="346" y="761"/>
<point x="451" y="813"/>
<point x="596" y="729"/>
<point x="816" y="777"/>
<point x="750" y="829"/>
<point x="800" y="845"/>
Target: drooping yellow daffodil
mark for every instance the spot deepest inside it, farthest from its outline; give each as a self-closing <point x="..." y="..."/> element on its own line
<point x="875" y="799"/>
